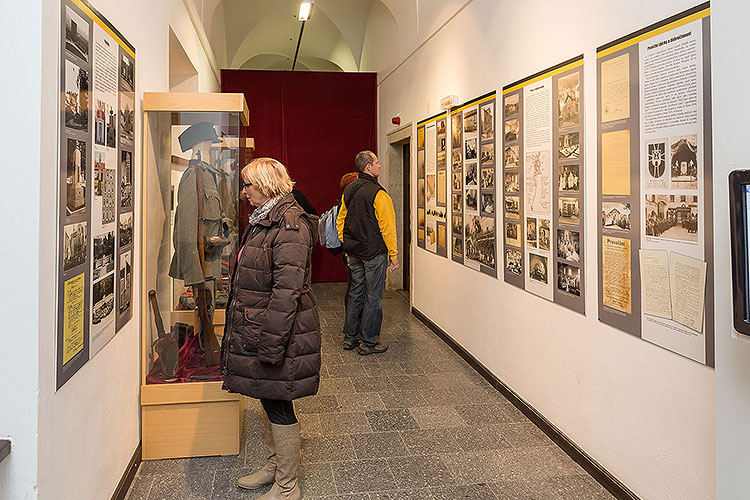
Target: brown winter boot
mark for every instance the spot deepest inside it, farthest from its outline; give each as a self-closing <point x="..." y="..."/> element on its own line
<point x="287" y="439"/>
<point x="267" y="473"/>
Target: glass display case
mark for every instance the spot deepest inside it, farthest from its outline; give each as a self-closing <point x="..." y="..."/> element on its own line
<point x="193" y="152"/>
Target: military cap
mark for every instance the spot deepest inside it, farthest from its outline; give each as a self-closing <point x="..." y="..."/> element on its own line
<point x="197" y="133"/>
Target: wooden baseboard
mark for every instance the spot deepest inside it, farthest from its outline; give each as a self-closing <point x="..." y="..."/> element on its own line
<point x="127" y="477"/>
<point x="596" y="470"/>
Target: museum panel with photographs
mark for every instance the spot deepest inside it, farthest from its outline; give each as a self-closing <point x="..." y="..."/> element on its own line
<point x="97" y="117"/>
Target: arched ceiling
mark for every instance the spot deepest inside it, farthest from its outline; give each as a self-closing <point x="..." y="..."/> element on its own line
<point x="341" y="35"/>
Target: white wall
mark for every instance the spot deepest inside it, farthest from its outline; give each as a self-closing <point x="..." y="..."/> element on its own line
<point x="731" y="108"/>
<point x="644" y="413"/>
<point x="19" y="202"/>
<point x="88" y="431"/>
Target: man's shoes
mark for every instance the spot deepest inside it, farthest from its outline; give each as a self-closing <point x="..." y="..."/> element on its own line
<point x="348" y="346"/>
<point x="364" y="350"/>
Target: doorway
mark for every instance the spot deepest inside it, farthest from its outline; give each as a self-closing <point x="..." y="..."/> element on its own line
<point x="406" y="231"/>
<point x="399" y="187"/>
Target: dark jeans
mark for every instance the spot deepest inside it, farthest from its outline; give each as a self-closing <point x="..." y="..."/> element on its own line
<point x="367" y="285"/>
<point x="349" y="287"/>
<point x="279" y="412"/>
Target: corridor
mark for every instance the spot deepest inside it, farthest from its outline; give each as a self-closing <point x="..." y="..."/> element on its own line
<point x="416" y="422"/>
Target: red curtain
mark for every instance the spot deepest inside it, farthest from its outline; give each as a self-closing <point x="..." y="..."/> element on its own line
<point x="314" y="123"/>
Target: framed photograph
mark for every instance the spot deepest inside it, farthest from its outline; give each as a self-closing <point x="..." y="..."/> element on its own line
<point x="568" y="99"/>
<point x="471" y="174"/>
<point x="511" y="104"/>
<point x="513" y="261"/>
<point x="488" y="178"/>
<point x="569" y="279"/>
<point x="126" y="280"/>
<point x="126" y="71"/>
<point x="488" y="203"/>
<point x="104" y="254"/>
<point x="487" y="112"/>
<point x="511" y="130"/>
<point x="471" y="199"/>
<point x="75" y="177"/>
<point x="538" y="268"/>
<point x="74" y="246"/>
<point x="512" y="182"/>
<point x="569" y="210"/>
<point x="103" y="299"/>
<point x="127" y="118"/>
<point x="471" y="149"/>
<point x="458" y="224"/>
<point x="76" y="97"/>
<point x="569" y="245"/>
<point x="456" y="131"/>
<point x="457" y="202"/>
<point x="126" y="179"/>
<point x="544" y="234"/>
<point x="569" y="178"/>
<point x="488" y="154"/>
<point x="76" y="35"/>
<point x="684" y="163"/>
<point x="456" y="158"/>
<point x="511" y="156"/>
<point x="420" y="217"/>
<point x="570" y="146"/>
<point x="513" y="234"/>
<point x="470" y="121"/>
<point x="480" y="240"/>
<point x="672" y="216"/>
<point x="512" y="207"/>
<point x="458" y="246"/>
<point x="616" y="216"/>
<point x="531" y="235"/>
<point x="126" y="229"/>
<point x="457" y="185"/>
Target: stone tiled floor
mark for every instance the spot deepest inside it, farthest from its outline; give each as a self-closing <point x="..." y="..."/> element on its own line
<point x="416" y="422"/>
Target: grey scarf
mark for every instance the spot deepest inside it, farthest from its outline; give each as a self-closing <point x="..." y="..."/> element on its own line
<point x="261" y="213"/>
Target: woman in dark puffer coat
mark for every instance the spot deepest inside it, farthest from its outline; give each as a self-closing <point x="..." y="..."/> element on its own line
<point x="271" y="346"/>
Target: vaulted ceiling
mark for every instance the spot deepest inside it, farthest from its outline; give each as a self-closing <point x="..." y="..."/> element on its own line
<point x="342" y="35"/>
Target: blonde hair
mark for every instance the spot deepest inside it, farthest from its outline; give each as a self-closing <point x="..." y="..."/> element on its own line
<point x="269" y="176"/>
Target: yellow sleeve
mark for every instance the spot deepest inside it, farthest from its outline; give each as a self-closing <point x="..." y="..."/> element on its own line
<point x="340" y="220"/>
<point x="387" y="221"/>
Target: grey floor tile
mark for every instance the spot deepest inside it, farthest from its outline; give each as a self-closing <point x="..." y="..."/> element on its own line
<point x="310" y="426"/>
<point x="365" y="401"/>
<point x="410" y="382"/>
<point x="194" y="485"/>
<point x="524" y="434"/>
<point x="336" y="386"/>
<point x="535" y="464"/>
<point x="354" y="496"/>
<point x="383" y="369"/>
<point x="140" y="488"/>
<point x="317" y="404"/>
<point x="316" y="480"/>
<point x="460" y="492"/>
<point x="350" y="369"/>
<point x="430" y="441"/>
<point x="363" y="475"/>
<point x="372" y="384"/>
<point x="436" y="417"/>
<point x="420" y="494"/>
<point x="483" y="414"/>
<point x="327" y="449"/>
<point x="402" y="399"/>
<point x="391" y="420"/>
<point x="580" y="487"/>
<point x="490" y="437"/>
<point x="419" y="471"/>
<point x="475" y="467"/>
<point x="378" y="445"/>
<point x="344" y="423"/>
<point x="225" y="486"/>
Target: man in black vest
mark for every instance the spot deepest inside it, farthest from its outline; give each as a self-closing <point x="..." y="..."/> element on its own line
<point x="367" y="227"/>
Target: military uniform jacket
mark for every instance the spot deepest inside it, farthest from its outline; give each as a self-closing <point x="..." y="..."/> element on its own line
<point x="186" y="264"/>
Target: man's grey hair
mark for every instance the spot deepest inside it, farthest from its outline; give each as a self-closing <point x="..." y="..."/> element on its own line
<point x="363" y="159"/>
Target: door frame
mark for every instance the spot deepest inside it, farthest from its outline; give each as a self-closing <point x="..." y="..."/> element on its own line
<point x="395" y="140"/>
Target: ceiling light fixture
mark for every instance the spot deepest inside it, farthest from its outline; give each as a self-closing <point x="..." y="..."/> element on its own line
<point x="305" y="8"/>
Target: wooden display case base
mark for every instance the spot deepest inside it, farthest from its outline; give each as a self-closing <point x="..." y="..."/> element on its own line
<point x="190" y="420"/>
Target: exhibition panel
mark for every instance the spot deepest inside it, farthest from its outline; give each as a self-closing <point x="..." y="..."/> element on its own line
<point x="542" y="182"/>
<point x="655" y="242"/>
<point x="96" y="219"/>
<point x="473" y="220"/>
<point x="191" y="184"/>
<point x="432" y="185"/>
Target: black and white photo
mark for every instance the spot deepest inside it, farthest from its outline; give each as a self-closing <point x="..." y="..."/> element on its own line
<point x="103" y="299"/>
<point x="512" y="182"/>
<point x="488" y="154"/>
<point x="616" y="215"/>
<point x="531" y="236"/>
<point x="570" y="146"/>
<point x="569" y="279"/>
<point x="470" y="121"/>
<point x="544" y="234"/>
<point x="568" y="98"/>
<point x="488" y="203"/>
<point x="126" y="280"/>
<point x="75" y="177"/>
<point x="569" y="245"/>
<point x="471" y="199"/>
<point x="471" y="149"/>
<point x="458" y="246"/>
<point x="684" y="162"/>
<point x="513" y="234"/>
<point x="104" y="254"/>
<point x="656" y="156"/>
<point x="126" y="71"/>
<point x="457" y="202"/>
<point x="488" y="178"/>
<point x="511" y="156"/>
<point x="457" y="186"/>
<point x="126" y="179"/>
<point x="513" y="261"/>
<point x="456" y="131"/>
<point x="456" y="158"/>
<point x="76" y="35"/>
<point x="511" y="130"/>
<point x="458" y="224"/>
<point x="672" y="216"/>
<point x="569" y="210"/>
<point x="126" y="229"/>
<point x="471" y="174"/>
<point x="127" y="118"/>
<point x="487" y="115"/>
<point x="511" y="105"/>
<point x="569" y="178"/>
<point x="538" y="268"/>
<point x="76" y="97"/>
<point x="480" y="240"/>
<point x="512" y="206"/>
<point x="74" y="245"/>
